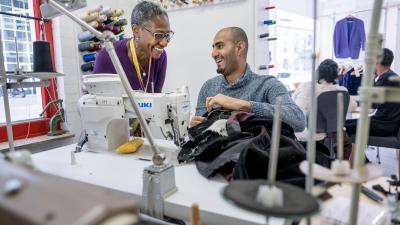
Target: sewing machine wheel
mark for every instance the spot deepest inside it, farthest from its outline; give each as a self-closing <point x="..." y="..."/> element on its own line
<point x="296" y="202"/>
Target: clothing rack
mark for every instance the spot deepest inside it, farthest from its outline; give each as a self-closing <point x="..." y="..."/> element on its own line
<point x="24" y="16"/>
<point x="359" y="11"/>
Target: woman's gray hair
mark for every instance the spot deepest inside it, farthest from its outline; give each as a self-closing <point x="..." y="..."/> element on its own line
<point x="145" y="11"/>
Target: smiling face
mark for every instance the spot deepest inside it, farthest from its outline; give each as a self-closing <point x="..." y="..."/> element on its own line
<point x="148" y="43"/>
<point x="224" y="53"/>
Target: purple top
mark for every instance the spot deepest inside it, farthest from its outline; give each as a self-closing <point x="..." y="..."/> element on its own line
<point x="103" y="64"/>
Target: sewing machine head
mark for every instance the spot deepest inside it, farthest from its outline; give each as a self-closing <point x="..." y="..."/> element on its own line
<point x="106" y="112"/>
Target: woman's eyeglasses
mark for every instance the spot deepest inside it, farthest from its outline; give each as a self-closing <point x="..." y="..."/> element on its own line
<point x="158" y="36"/>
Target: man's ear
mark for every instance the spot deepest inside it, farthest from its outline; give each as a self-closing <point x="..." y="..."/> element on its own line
<point x="240" y="46"/>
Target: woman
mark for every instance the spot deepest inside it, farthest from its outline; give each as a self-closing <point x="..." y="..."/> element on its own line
<point x="142" y="57"/>
<point x="327" y="74"/>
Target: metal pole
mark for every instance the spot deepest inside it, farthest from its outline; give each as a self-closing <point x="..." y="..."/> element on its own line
<point x="158" y="157"/>
<point x="339" y="129"/>
<point x="313" y="111"/>
<point x="276" y="131"/>
<point x="372" y="51"/>
<point x="5" y="99"/>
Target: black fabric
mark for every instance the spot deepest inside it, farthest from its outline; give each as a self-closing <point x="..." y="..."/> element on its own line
<point x="244" y="154"/>
<point x="322" y="154"/>
<point x="202" y="141"/>
<point x="254" y="158"/>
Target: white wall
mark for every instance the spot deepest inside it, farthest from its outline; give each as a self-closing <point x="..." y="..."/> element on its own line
<point x="189" y="53"/>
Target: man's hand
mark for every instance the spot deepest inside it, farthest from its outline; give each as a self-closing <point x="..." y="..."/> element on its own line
<point x="196" y="120"/>
<point x="228" y="103"/>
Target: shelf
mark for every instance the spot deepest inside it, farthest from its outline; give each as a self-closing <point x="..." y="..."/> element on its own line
<point x="39" y="139"/>
<point x="41" y="76"/>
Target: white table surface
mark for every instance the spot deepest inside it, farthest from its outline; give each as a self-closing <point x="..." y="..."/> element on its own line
<point x="124" y="173"/>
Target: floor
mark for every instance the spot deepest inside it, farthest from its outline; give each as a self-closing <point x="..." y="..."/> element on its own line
<point x="387" y="156"/>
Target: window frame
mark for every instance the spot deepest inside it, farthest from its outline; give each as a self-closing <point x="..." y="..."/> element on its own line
<point x="39" y="126"/>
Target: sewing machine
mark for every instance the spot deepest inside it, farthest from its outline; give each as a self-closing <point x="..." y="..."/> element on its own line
<point x="106" y="113"/>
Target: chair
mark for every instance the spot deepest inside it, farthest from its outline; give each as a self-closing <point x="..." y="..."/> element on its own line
<point x="386" y="142"/>
<point x="327" y="116"/>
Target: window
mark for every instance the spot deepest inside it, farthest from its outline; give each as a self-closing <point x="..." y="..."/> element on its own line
<point x="25" y="103"/>
<point x="8" y="35"/>
<point x="293" y="49"/>
<point x="6" y="2"/>
<point x="6" y="9"/>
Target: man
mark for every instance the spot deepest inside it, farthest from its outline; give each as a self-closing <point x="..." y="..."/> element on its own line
<point x="238" y="88"/>
<point x="386" y="120"/>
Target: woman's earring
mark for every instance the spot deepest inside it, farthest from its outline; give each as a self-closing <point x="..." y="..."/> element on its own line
<point x="136" y="39"/>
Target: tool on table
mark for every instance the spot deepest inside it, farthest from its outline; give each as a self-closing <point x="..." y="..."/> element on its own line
<point x="58" y="117"/>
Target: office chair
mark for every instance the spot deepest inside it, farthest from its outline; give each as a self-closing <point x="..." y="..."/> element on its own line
<point x="386" y="142"/>
<point x="327" y="116"/>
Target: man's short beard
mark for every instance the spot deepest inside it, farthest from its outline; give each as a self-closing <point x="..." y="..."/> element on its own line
<point x="220" y="71"/>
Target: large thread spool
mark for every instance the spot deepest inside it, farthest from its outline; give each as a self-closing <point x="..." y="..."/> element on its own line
<point x="42" y="57"/>
<point x="85" y="36"/>
<point x="89" y="57"/>
<point x="87" y="67"/>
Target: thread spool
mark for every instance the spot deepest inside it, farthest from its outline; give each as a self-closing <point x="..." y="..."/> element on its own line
<point x="100" y="26"/>
<point x="83" y="46"/>
<point x="94" y="24"/>
<point x="269" y="22"/>
<point x="85" y="36"/>
<point x="90" y="17"/>
<point x="89" y="46"/>
<point x="263" y="35"/>
<point x="106" y="11"/>
<point x="87" y="67"/>
<point x="116" y="12"/>
<point x="94" y="47"/>
<point x="102" y="18"/>
<point x="195" y="214"/>
<point x="264" y="67"/>
<point x="97" y="9"/>
<point x="89" y="57"/>
<point x="121" y="22"/>
<point x="117" y="30"/>
<point x="42" y="57"/>
<point x="111" y="19"/>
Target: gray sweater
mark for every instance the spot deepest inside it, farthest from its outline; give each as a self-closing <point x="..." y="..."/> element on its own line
<point x="260" y="91"/>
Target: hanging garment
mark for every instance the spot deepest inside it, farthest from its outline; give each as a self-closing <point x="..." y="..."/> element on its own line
<point x="348" y="38"/>
<point x="351" y="82"/>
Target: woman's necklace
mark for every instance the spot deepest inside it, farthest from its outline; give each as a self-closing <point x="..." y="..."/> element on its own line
<point x="138" y="67"/>
<point x="142" y="69"/>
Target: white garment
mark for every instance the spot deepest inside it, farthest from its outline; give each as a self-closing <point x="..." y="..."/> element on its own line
<point x="302" y="98"/>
